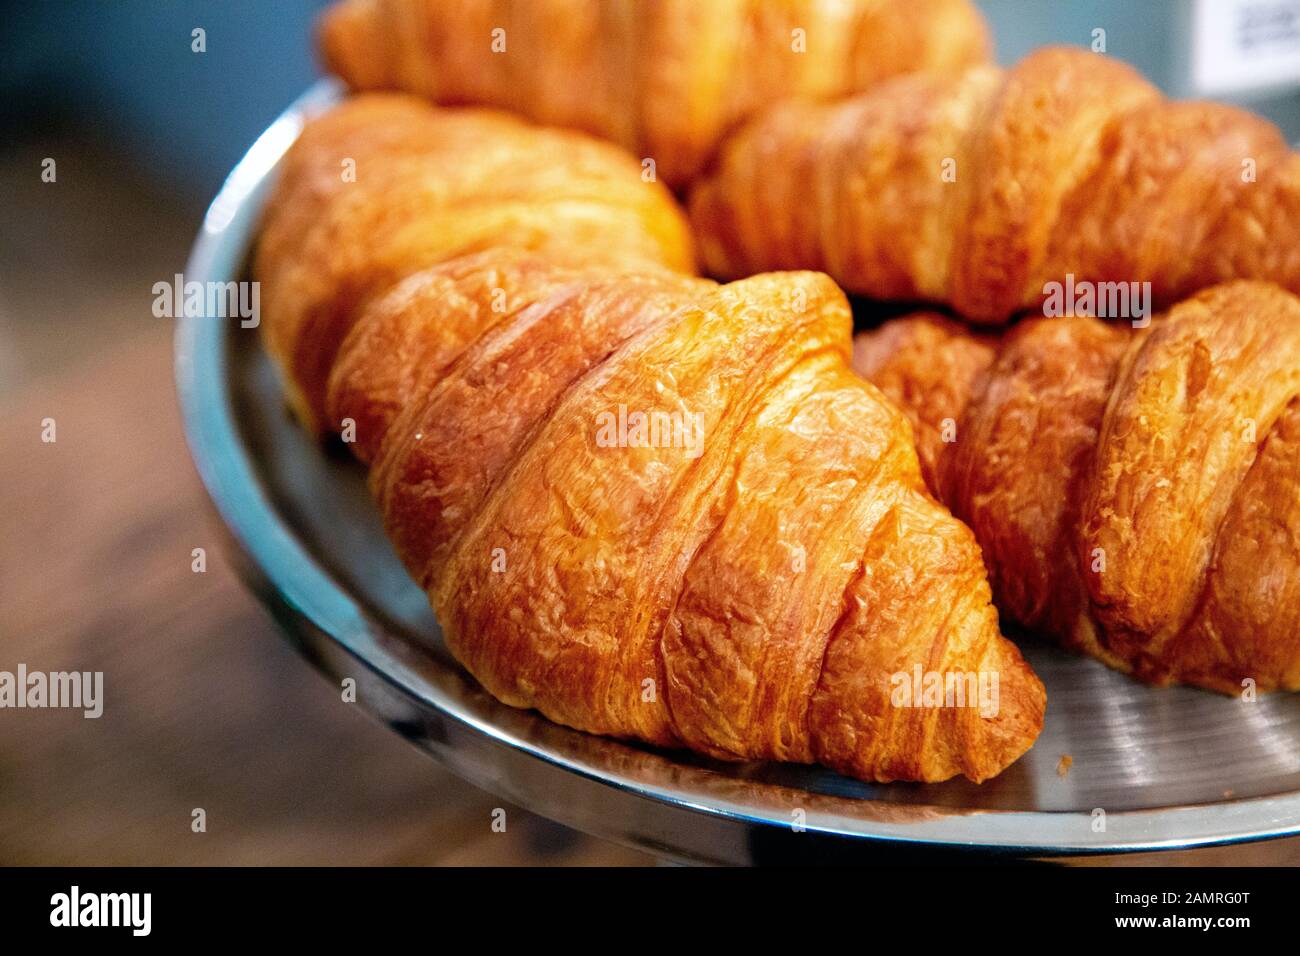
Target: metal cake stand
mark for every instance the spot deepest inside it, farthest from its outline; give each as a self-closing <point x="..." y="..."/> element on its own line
<point x="1151" y="769"/>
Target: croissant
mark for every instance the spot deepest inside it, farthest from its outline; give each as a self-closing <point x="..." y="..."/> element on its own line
<point x="646" y="505"/>
<point x="664" y="78"/>
<point x="1136" y="493"/>
<point x="982" y="190"/>
<point x="384" y="185"/>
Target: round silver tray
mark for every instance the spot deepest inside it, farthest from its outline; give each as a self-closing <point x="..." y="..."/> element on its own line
<point x="1162" y="769"/>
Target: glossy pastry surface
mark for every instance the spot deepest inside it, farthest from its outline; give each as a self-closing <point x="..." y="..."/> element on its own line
<point x="980" y="190"/>
<point x="385" y="184"/>
<point x="665" y="78"/>
<point x="1135" y="491"/>
<point x="642" y="503"/>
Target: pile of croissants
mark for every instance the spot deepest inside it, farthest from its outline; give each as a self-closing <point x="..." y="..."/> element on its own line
<point x="701" y="515"/>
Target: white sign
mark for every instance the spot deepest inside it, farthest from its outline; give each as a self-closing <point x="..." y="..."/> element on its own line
<point x="1244" y="45"/>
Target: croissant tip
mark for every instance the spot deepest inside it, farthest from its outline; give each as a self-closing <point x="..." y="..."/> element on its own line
<point x="1005" y="738"/>
<point x="348" y="45"/>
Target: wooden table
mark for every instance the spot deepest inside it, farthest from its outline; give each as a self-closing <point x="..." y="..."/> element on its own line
<point x="205" y="706"/>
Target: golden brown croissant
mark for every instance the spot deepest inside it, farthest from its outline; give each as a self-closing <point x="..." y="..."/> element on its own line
<point x="643" y="504"/>
<point x="980" y="190"/>
<point x="1136" y="493"/>
<point x="381" y="186"/>
<point x="665" y="78"/>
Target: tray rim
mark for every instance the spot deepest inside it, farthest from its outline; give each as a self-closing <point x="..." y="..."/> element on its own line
<point x="331" y="628"/>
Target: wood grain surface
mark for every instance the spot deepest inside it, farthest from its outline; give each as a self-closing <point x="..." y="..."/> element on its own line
<point x="205" y="705"/>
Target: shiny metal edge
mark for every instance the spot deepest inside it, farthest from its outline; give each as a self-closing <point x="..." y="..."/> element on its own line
<point x="693" y="823"/>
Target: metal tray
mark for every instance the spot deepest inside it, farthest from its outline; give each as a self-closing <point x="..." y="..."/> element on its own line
<point x="1164" y="769"/>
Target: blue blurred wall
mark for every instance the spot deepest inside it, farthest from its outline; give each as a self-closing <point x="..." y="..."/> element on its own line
<point x="125" y="68"/>
<point x="1153" y="35"/>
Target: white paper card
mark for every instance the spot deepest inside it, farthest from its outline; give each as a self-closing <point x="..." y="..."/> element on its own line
<point x="1244" y="45"/>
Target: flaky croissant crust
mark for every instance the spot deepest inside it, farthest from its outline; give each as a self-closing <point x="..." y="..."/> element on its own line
<point x="979" y="190"/>
<point x="384" y="185"/>
<point x="1136" y="493"/>
<point x="750" y="594"/>
<point x="664" y="78"/>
